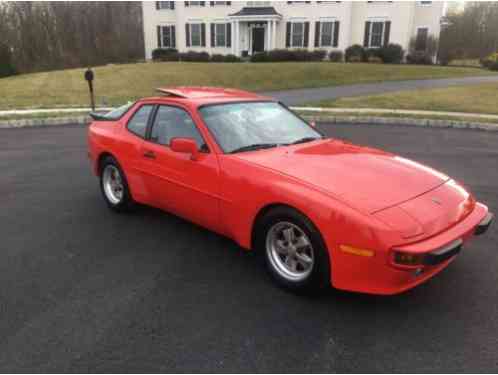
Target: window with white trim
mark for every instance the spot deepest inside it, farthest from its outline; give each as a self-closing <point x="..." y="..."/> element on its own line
<point x="421" y="40"/>
<point x="195" y="3"/>
<point x="165" y="5"/>
<point x="223" y="3"/>
<point x="376" y="34"/>
<point x="326" y="34"/>
<point x="297" y="34"/>
<point x="220" y="34"/>
<point x="195" y="34"/>
<point x="167" y="37"/>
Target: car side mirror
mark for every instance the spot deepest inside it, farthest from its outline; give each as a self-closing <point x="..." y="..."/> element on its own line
<point x="185" y="146"/>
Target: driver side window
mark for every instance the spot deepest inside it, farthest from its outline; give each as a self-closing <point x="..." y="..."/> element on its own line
<point x="172" y="122"/>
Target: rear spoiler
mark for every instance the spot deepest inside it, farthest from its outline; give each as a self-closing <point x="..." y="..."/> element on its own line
<point x="100" y="116"/>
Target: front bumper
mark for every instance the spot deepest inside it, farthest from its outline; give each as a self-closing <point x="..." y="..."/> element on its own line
<point x="375" y="275"/>
<point x="484" y="224"/>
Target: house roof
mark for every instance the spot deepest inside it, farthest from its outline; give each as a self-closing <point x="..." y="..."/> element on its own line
<point x="256" y="11"/>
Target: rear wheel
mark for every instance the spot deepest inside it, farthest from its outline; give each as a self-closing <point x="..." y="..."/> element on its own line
<point x="114" y="186"/>
<point x="294" y="251"/>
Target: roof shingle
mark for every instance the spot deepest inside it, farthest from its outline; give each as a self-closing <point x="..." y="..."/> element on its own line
<point x="256" y="11"/>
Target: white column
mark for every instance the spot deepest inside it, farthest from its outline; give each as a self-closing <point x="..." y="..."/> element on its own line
<point x="274" y="34"/>
<point x="233" y="37"/>
<point x="237" y="38"/>
<point x="268" y="36"/>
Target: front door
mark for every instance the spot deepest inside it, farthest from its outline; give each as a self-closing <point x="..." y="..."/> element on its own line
<point x="174" y="182"/>
<point x="258" y="39"/>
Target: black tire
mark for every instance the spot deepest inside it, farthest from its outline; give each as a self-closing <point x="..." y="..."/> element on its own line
<point x="126" y="203"/>
<point x="319" y="277"/>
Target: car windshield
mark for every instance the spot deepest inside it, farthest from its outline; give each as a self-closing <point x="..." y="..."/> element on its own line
<point x="250" y="126"/>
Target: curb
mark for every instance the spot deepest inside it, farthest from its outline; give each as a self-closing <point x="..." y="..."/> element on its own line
<point x="428" y="123"/>
<point x="49" y="121"/>
<point x="360" y="120"/>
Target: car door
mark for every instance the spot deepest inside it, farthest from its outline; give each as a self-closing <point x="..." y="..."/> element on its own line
<point x="128" y="148"/>
<point x="175" y="182"/>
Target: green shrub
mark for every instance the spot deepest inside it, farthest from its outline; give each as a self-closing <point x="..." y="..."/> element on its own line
<point x="336" y="56"/>
<point x="6" y="66"/>
<point x="193" y="56"/>
<point x="490" y="62"/>
<point x="355" y="59"/>
<point x="219" y="58"/>
<point x="422" y="56"/>
<point x="391" y="54"/>
<point x="259" y="57"/>
<point x="318" y="55"/>
<point x="232" y="58"/>
<point x="375" y="60"/>
<point x="369" y="53"/>
<point x="299" y="55"/>
<point x="419" y="57"/>
<point x="281" y="55"/>
<point x="355" y="53"/>
<point x="165" y="54"/>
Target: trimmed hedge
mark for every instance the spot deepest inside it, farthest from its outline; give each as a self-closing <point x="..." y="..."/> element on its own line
<point x="224" y="58"/>
<point x="336" y="56"/>
<point x="375" y="60"/>
<point x="490" y="62"/>
<point x="355" y="53"/>
<point x="165" y="54"/>
<point x="171" y="54"/>
<point x="281" y="55"/>
<point x="390" y="54"/>
<point x="194" y="56"/>
<point x="419" y="58"/>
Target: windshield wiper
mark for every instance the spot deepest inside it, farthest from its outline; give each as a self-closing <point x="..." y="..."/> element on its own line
<point x="305" y="139"/>
<point x="254" y="147"/>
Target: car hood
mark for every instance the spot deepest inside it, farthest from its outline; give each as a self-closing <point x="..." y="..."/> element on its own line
<point x="367" y="179"/>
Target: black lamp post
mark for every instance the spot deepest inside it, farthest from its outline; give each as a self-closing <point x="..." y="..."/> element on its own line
<point x="89" y="78"/>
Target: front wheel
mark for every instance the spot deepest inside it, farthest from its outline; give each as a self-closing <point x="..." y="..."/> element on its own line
<point x="294" y="250"/>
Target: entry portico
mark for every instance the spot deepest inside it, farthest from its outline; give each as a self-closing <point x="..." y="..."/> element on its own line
<point x="254" y="30"/>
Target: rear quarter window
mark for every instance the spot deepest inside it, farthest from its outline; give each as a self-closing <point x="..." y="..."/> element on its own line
<point x="138" y="122"/>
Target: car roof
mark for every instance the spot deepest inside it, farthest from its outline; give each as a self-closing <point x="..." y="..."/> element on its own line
<point x="204" y="95"/>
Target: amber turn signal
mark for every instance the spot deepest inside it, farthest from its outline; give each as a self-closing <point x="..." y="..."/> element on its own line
<point x="356" y="251"/>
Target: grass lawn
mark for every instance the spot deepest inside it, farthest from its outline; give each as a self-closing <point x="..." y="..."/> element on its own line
<point x="466" y="62"/>
<point x="482" y="98"/>
<point x="116" y="84"/>
<point x="41" y="115"/>
<point x="337" y="116"/>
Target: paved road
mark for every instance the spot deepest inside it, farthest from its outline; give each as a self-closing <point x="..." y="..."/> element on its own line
<point x="303" y="96"/>
<point x="83" y="289"/>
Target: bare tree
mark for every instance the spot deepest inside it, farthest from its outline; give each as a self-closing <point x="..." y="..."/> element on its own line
<point x="55" y="35"/>
<point x="472" y="33"/>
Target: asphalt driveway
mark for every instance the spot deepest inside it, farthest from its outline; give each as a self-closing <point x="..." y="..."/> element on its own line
<point x="83" y="289"/>
<point x="303" y="96"/>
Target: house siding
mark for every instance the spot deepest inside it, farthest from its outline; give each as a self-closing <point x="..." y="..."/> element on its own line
<point x="405" y="18"/>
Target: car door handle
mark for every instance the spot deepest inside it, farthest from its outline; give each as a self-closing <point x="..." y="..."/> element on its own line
<point x="149" y="155"/>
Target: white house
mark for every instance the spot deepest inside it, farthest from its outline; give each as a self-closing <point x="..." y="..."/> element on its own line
<point x="246" y="27"/>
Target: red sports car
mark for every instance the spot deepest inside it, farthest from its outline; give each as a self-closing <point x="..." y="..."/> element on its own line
<point x="323" y="212"/>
